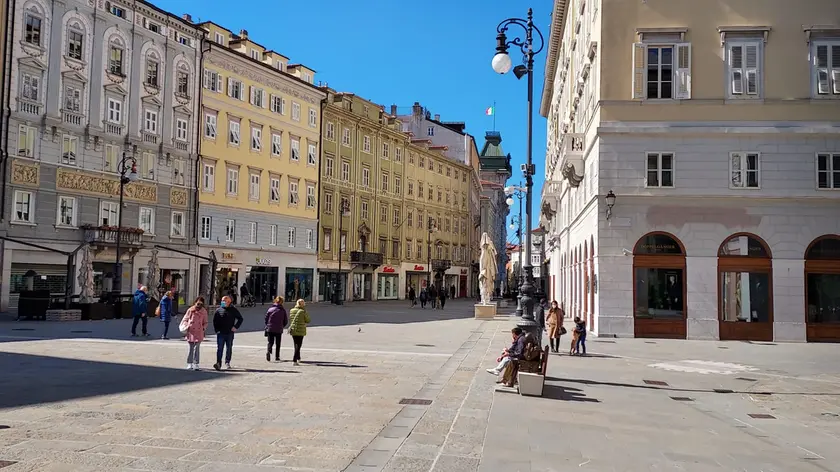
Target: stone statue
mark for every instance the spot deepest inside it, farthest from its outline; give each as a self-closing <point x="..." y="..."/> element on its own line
<point x="487" y="269"/>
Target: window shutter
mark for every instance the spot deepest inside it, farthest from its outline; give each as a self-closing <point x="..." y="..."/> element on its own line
<point x="230" y="87"/>
<point x="736" y="69"/>
<point x="683" y="77"/>
<point x="263" y="101"/>
<point x="835" y="67"/>
<point x="821" y="68"/>
<point x="736" y="172"/>
<point x="253" y="92"/>
<point x="218" y="82"/>
<point x="639" y="72"/>
<point x="206" y="79"/>
<point x="752" y="70"/>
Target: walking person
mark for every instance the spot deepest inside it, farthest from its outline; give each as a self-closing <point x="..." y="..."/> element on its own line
<point x="298" y="319"/>
<point x="276" y="320"/>
<point x="226" y="321"/>
<point x="580" y="331"/>
<point x="539" y="313"/>
<point x="165" y="313"/>
<point x="411" y="296"/>
<point x="554" y="322"/>
<point x="433" y="295"/>
<point x="452" y="291"/>
<point x="139" y="306"/>
<point x="243" y="293"/>
<point x="196" y="322"/>
<point x="442" y="298"/>
<point x="423" y="297"/>
<point x="264" y="293"/>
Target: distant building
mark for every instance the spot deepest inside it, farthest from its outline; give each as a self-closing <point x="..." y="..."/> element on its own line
<point x="495" y="172"/>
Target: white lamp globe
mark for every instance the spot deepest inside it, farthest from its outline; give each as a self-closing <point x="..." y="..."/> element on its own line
<point x="133" y="176"/>
<point x="501" y="63"/>
<point x="509" y="201"/>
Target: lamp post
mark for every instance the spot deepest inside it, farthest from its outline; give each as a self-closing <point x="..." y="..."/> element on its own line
<point x="431" y="227"/>
<point x="502" y="64"/>
<point x="344" y="207"/>
<point x="128" y="174"/>
<point x="519" y="193"/>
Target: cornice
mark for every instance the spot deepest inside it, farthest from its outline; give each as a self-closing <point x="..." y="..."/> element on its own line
<point x="243" y="68"/>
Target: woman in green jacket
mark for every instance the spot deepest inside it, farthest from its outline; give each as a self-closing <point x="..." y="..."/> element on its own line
<point x="298" y="319"/>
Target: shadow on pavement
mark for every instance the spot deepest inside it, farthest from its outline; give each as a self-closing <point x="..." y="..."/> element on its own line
<point x="674" y="389"/>
<point x="567" y="394"/>
<point x="34" y="380"/>
<point x="333" y="364"/>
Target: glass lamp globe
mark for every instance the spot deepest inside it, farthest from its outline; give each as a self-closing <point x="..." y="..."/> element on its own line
<point x="132" y="176"/>
<point x="501" y="63"/>
<point x="509" y="201"/>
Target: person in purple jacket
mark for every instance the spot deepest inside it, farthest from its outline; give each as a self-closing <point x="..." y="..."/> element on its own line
<point x="276" y="319"/>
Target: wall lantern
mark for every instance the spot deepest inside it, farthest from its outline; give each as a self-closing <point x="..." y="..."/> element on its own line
<point x="610" y="199"/>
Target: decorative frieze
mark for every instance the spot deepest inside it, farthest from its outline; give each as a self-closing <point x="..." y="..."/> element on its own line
<point x="178" y="197"/>
<point x="96" y="185"/>
<point x="260" y="78"/>
<point x="25" y="173"/>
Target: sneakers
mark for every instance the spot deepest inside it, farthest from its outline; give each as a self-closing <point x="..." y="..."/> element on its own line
<point x="268" y="357"/>
<point x="190" y="367"/>
<point x="493" y="371"/>
<point x="196" y="367"/>
<point x="227" y="365"/>
<point x="217" y="366"/>
<point x="297" y="362"/>
<point x="164" y="338"/>
<point x="133" y="335"/>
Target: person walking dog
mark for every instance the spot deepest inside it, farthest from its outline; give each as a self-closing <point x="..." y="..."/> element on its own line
<point x="276" y="320"/>
<point x="298" y="319"/>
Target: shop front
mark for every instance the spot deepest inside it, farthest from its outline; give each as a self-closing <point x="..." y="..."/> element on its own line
<point x="363" y="285"/>
<point x="173" y="274"/>
<point x="328" y="284"/>
<point x="388" y="283"/>
<point x="455" y="281"/>
<point x="262" y="280"/>
<point x="299" y="283"/>
<point x="416" y="276"/>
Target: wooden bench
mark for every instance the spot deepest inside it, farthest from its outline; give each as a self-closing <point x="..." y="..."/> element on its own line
<point x="531" y="381"/>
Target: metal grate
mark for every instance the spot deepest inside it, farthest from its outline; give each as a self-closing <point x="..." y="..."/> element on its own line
<point x="655" y="382"/>
<point x="415" y="401"/>
<point x="81" y="332"/>
<point x="723" y="390"/>
<point x="682" y="399"/>
<point x="425" y="345"/>
<point x="7" y="463"/>
<point x="761" y="416"/>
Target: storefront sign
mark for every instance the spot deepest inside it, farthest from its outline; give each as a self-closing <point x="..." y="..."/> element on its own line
<point x="420" y="268"/>
<point x="228" y="255"/>
<point x="388" y="270"/>
<point x="263" y="261"/>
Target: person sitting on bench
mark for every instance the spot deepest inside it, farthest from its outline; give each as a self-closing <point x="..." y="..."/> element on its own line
<point x="514" y="353"/>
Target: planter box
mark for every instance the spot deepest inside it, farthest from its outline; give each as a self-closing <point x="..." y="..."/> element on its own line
<point x="485" y="312"/>
<point x="64" y="315"/>
<point x="531" y="384"/>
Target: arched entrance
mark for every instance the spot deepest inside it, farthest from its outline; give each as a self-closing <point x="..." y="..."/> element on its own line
<point x="584" y="278"/>
<point x="745" y="289"/>
<point x="822" y="289"/>
<point x="659" y="287"/>
<point x="592" y="282"/>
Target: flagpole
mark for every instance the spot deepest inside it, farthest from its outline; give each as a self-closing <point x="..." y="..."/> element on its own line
<point x="494" y="115"/>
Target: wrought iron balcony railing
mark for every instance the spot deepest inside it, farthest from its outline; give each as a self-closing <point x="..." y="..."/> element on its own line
<point x="107" y="235"/>
<point x="370" y="258"/>
<point x="441" y="265"/>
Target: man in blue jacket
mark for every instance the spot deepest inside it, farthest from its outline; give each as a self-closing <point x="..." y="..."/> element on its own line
<point x="138" y="309"/>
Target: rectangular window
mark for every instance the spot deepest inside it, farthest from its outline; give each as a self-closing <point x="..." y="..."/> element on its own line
<point x="276" y="144"/>
<point x="363" y="210"/>
<point x="365" y="176"/>
<point x="419" y="249"/>
<point x="256" y="139"/>
<point x="395" y="249"/>
<point x="255" y="54"/>
<point x="431" y="131"/>
<point x="117" y="11"/>
<point x="181" y="130"/>
<point x="342" y="241"/>
<point x="220" y="39"/>
<point x="397" y="185"/>
<point x="660" y="170"/>
<point x="328" y="202"/>
<point x="744" y="69"/>
<point x="69" y="150"/>
<point x="257" y="97"/>
<point x="828" y="171"/>
<point x="24" y="207"/>
<point x="150" y="122"/>
<point x="111" y="156"/>
<point x="328" y="166"/>
<point x="398" y="154"/>
<point x="235" y="89"/>
<point x="183" y="84"/>
<point x="254" y="187"/>
<point x="275" y="190"/>
<point x="108" y="214"/>
<point x="152" y="73"/>
<point x="206" y="224"/>
<point x="32" y="31"/>
<point x="448" y="171"/>
<point x="147" y="220"/>
<point x="744" y="169"/>
<point x="295" y="146"/>
<point x="409" y="218"/>
<point x="31" y="89"/>
<point x="212" y="81"/>
<point x="311" y="155"/>
<point x="230" y="231"/>
<point x="327" y="240"/>
<point x="411" y="189"/>
<point x="252" y="234"/>
<point x="273" y="236"/>
<point x="661" y="71"/>
<point x="147" y="166"/>
<point x="75" y="41"/>
<point x="115" y="61"/>
<point x="234" y="136"/>
<point x="292" y="236"/>
<point x="153" y="27"/>
<point x="72" y="99"/>
<point x="313" y="118"/>
<point x="282" y="106"/>
<point x="383" y="213"/>
<point x="384" y="182"/>
<point x="345" y="171"/>
<point x="295" y="111"/>
<point x="209" y="177"/>
<point x="309" y="239"/>
<point x="397" y="216"/>
<point x="331" y="131"/>
<point x="386" y="150"/>
<point x="294" y="198"/>
<point x="826" y="69"/>
<point x="310" y="196"/>
<point x="232" y="181"/>
<point x="66" y="211"/>
<point x="366" y="144"/>
<point x="26" y="141"/>
<point x="422" y="162"/>
<point x="210" y="126"/>
<point x="345" y="136"/>
<point x="276" y="104"/>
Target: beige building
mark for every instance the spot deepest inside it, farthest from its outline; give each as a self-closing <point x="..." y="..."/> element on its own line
<point x="715" y="130"/>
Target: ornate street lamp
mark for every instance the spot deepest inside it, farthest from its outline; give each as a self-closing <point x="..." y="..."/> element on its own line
<point x="519" y="193"/>
<point x="502" y="64"/>
<point x="127" y="168"/>
<point x="344" y="209"/>
<point x="432" y="229"/>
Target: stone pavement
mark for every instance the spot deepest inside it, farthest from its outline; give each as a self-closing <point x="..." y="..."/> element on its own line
<point x="83" y="397"/>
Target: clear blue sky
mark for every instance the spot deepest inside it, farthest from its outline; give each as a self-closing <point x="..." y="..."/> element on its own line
<point x="436" y="52"/>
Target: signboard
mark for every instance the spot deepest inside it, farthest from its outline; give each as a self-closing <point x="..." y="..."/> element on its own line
<point x="263" y="261"/>
<point x="388" y="270"/>
<point x="228" y="255"/>
<point x="420" y="268"/>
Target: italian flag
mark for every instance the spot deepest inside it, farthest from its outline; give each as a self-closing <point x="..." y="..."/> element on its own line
<point x="489" y="111"/>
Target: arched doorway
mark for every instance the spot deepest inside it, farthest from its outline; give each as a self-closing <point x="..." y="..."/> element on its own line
<point x="585" y="283"/>
<point x="745" y="289"/>
<point x="659" y="298"/>
<point x="822" y="289"/>
<point x="592" y="281"/>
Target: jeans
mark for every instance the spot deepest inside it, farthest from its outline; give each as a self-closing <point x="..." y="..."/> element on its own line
<point x="581" y="344"/>
<point x="503" y="364"/>
<point x="166" y="328"/>
<point x="223" y="340"/>
<point x="272" y="337"/>
<point x="442" y="303"/>
<point x="193" y="356"/>
<point x="298" y="344"/>
<point x="137" y="319"/>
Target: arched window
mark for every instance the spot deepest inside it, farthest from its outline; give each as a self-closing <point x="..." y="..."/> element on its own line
<point x="745" y="284"/>
<point x="75" y="40"/>
<point x="822" y="289"/>
<point x="659" y="287"/>
<point x="152" y="69"/>
<point x="116" y="56"/>
<point x="33" y="24"/>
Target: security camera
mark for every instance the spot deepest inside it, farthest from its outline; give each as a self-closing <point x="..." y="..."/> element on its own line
<point x="627" y="252"/>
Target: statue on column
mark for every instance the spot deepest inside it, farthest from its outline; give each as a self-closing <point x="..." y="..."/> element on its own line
<point x="487" y="269"/>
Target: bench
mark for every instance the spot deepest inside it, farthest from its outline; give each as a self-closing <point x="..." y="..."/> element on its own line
<point x="531" y="376"/>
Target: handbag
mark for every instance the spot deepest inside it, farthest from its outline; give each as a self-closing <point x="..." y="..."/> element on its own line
<point x="562" y="330"/>
<point x="184" y="326"/>
<point x="157" y="311"/>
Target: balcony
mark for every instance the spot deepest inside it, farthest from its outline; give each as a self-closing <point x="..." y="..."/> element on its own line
<point x="29" y="108"/>
<point x="72" y="117"/>
<point x="182" y="145"/>
<point x="366" y="258"/>
<point x="150" y="138"/>
<point x="104" y="236"/>
<point x="441" y="265"/>
<point x="113" y="128"/>
<point x="572" y="147"/>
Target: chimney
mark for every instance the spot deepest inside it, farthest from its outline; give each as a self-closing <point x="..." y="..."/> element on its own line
<point x="417" y="110"/>
<point x="243" y="34"/>
<point x="187" y="17"/>
<point x="394" y="110"/>
<point x="437" y="117"/>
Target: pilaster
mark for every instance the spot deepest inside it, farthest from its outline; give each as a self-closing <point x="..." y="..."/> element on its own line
<point x="55" y="47"/>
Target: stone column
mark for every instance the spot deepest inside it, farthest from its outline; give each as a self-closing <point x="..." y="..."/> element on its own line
<point x="167" y="118"/>
<point x="97" y="69"/>
<point x="56" y="52"/>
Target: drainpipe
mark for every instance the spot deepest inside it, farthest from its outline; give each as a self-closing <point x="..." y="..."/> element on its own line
<point x="199" y="78"/>
<point x="6" y="100"/>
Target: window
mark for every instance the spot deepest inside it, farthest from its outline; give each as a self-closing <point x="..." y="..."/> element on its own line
<point x="440" y="196"/>
<point x="328" y="200"/>
<point x="210" y="126"/>
<point x="183" y="84"/>
<point x="235" y="89"/>
<point x="257" y="97"/>
<point x="419" y="249"/>
<point x="276" y="144"/>
<point x="115" y="60"/>
<point x="181" y="129"/>
<point x="660" y="170"/>
<point x="383" y="245"/>
<point x="209" y="177"/>
<point x="395" y="249"/>
<point x="220" y="39"/>
<point x="409" y="218"/>
<point x="310" y="196"/>
<point x="230" y="231"/>
<point x="206" y="224"/>
<point x="26" y="141"/>
<point x="272" y="241"/>
<point x="366" y="144"/>
<point x="311" y="160"/>
<point x="66" y="211"/>
<point x="274" y="192"/>
<point x="295" y="111"/>
<point x="431" y="193"/>
<point x="397" y="216"/>
<point x="252" y="234"/>
<point x="147" y="220"/>
<point x="32" y="32"/>
<point x="828" y="171"/>
<point x="397" y="185"/>
<point x="365" y="176"/>
<point x="345" y="136"/>
<point x="31" y="89"/>
<point x="292" y="237"/>
<point x="276" y="104"/>
<point x="327" y="240"/>
<point x="232" y="181"/>
<point x="313" y="118"/>
<point x="328" y="166"/>
<point x="255" y="54"/>
<point x="411" y="158"/>
<point x="448" y="171"/>
<point x="295" y="149"/>
<point x="117" y="11"/>
<point x="345" y="171"/>
<point x="254" y="187"/>
<point x="363" y="210"/>
<point x="431" y="131"/>
<point x="420" y="189"/>
<point x="108" y="214"/>
<point x="69" y="149"/>
<point x="75" y="43"/>
<point x="212" y="81"/>
<point x="309" y="239"/>
<point x="24" y="207"/>
<point x="153" y="27"/>
<point x="282" y="106"/>
<point x="662" y="71"/>
<point x="411" y="189"/>
<point x="385" y="182"/>
<point x="233" y="133"/>
<point x="152" y="72"/>
<point x="743" y="64"/>
<point x="256" y="139"/>
<point x="293" y="192"/>
<point x="398" y="154"/>
<point x="383" y="213"/>
<point x="147" y="166"/>
<point x="420" y="219"/>
<point x="386" y="150"/>
<point x="744" y="169"/>
<point x="150" y="121"/>
<point x="422" y="162"/>
<point x="826" y="66"/>
<point x="331" y="131"/>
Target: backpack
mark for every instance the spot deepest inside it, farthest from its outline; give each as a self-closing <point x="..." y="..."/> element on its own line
<point x="532" y="350"/>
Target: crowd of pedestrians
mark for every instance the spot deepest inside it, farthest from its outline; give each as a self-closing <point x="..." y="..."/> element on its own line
<point x="432" y="295"/>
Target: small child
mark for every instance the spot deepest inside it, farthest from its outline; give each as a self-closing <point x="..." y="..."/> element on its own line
<point x="580" y="336"/>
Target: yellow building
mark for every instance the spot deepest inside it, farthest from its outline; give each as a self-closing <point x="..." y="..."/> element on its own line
<point x="258" y="167"/>
<point x="374" y="169"/>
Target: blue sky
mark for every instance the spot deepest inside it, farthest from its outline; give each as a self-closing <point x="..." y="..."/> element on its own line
<point x="436" y="52"/>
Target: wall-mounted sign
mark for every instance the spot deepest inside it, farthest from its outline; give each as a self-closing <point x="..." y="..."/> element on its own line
<point x="388" y="270"/>
<point x="420" y="268"/>
<point x="263" y="261"/>
<point x="228" y="255"/>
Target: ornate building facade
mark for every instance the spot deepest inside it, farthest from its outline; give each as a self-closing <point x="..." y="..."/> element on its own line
<point x="495" y="171"/>
<point x="93" y="83"/>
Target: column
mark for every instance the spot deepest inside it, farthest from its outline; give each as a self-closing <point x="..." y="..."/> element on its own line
<point x="55" y="52"/>
<point x="95" y="92"/>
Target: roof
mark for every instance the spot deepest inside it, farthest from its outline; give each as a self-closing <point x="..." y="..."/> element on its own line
<point x="492" y="156"/>
<point x="214" y="45"/>
<point x="558" y="20"/>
